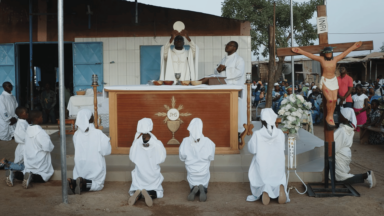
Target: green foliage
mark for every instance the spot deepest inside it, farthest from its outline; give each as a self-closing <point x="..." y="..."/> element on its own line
<point x="382" y="48"/>
<point x="260" y="14"/>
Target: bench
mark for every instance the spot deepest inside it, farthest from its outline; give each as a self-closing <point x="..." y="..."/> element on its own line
<point x="68" y="122"/>
<point x="365" y="131"/>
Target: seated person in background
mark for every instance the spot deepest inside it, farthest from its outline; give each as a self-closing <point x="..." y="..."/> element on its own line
<point x="17" y="166"/>
<point x="91" y="146"/>
<point x="197" y="151"/>
<point x="147" y="153"/>
<point x="37" y="152"/>
<point x="374" y="120"/>
<point x="317" y="115"/>
<point x="277" y="97"/>
<point x="267" y="171"/>
<point x="8" y="118"/>
<point x="343" y="156"/>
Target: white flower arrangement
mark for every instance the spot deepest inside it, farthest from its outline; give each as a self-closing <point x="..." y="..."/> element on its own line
<point x="291" y="110"/>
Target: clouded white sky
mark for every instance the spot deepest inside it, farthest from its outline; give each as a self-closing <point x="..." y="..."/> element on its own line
<point x="344" y="16"/>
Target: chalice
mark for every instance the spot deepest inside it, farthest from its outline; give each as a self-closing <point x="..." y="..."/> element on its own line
<point x="177" y="76"/>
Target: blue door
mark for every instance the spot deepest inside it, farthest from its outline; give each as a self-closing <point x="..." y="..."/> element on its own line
<point x="150" y="63"/>
<point x="7" y="66"/>
<point x="87" y="60"/>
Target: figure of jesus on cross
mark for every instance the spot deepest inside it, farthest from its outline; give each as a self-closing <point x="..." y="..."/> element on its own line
<point x="328" y="82"/>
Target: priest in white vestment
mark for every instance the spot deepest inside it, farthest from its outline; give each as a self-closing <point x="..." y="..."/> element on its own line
<point x="147" y="153"/>
<point x="343" y="156"/>
<point x="232" y="66"/>
<point x="91" y="147"/>
<point x="8" y="118"/>
<point x="197" y="151"/>
<point x="37" y="152"/>
<point x="267" y="171"/>
<point x="178" y="59"/>
<point x="17" y="166"/>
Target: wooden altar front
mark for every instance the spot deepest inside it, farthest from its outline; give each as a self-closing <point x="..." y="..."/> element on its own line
<point x="216" y="106"/>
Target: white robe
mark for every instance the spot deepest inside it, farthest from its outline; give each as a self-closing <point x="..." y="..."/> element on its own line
<point x="235" y="74"/>
<point x="267" y="170"/>
<point x="197" y="158"/>
<point x="37" y="152"/>
<point x="343" y="156"/>
<point x="175" y="61"/>
<point x="146" y="174"/>
<point x="20" y="134"/>
<point x="90" y="149"/>
<point x="8" y="105"/>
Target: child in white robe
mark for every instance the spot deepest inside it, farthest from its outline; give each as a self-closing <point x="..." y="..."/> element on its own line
<point x="197" y="151"/>
<point x="37" y="152"/>
<point x="267" y="171"/>
<point x="91" y="147"/>
<point x="8" y="117"/>
<point x="147" y="153"/>
<point x="17" y="165"/>
<point x="343" y="156"/>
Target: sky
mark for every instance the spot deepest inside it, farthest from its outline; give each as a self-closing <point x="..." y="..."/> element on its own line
<point x="344" y="16"/>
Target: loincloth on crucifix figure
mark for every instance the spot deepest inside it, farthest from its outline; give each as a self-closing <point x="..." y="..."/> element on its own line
<point x="328" y="81"/>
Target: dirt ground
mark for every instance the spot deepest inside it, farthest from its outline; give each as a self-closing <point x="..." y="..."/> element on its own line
<point x="223" y="198"/>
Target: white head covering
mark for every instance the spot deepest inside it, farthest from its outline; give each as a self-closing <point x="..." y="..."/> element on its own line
<point x="314" y="87"/>
<point x="82" y="119"/>
<point x="349" y="114"/>
<point x="196" y="129"/>
<point x="276" y="84"/>
<point x="306" y="84"/>
<point x="269" y="116"/>
<point x="144" y="126"/>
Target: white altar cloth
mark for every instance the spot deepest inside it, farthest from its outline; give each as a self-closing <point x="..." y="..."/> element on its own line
<point x="78" y="102"/>
<point x="171" y="87"/>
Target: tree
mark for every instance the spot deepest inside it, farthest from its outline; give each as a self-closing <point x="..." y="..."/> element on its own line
<point x="260" y="14"/>
<point x="382" y="48"/>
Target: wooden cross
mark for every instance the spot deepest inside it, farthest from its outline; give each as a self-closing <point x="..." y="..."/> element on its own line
<point x="317" y="49"/>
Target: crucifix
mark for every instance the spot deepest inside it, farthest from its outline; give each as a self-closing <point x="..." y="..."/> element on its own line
<point x="328" y="84"/>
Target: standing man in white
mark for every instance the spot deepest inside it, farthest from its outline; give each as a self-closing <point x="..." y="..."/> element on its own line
<point x="147" y="153"/>
<point x="232" y="66"/>
<point x="197" y="151"/>
<point x="178" y="59"/>
<point x="267" y="171"/>
<point x="8" y="118"/>
<point x="91" y="147"/>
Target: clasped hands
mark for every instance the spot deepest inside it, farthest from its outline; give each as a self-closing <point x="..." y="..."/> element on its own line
<point x="221" y="68"/>
<point x="183" y="33"/>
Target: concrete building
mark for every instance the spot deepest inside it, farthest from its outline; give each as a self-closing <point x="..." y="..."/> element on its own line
<point x="110" y="38"/>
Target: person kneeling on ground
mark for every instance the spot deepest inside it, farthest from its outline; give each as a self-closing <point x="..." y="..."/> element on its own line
<point x="267" y="171"/>
<point x="197" y="151"/>
<point x="15" y="168"/>
<point x="147" y="153"/>
<point x="37" y="152"/>
<point x="343" y="156"/>
<point x="91" y="146"/>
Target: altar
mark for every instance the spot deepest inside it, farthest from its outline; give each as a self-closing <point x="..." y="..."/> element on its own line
<point x="171" y="109"/>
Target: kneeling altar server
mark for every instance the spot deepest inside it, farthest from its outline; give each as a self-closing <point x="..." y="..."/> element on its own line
<point x="91" y="146"/>
<point x="37" y="152"/>
<point x="343" y="156"/>
<point x="197" y="151"/>
<point x="147" y="153"/>
<point x="267" y="171"/>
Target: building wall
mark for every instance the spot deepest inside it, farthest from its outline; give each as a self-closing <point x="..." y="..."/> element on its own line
<point x="110" y="18"/>
<point x="125" y="52"/>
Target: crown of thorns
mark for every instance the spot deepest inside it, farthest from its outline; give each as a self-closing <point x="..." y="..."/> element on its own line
<point x="328" y="50"/>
